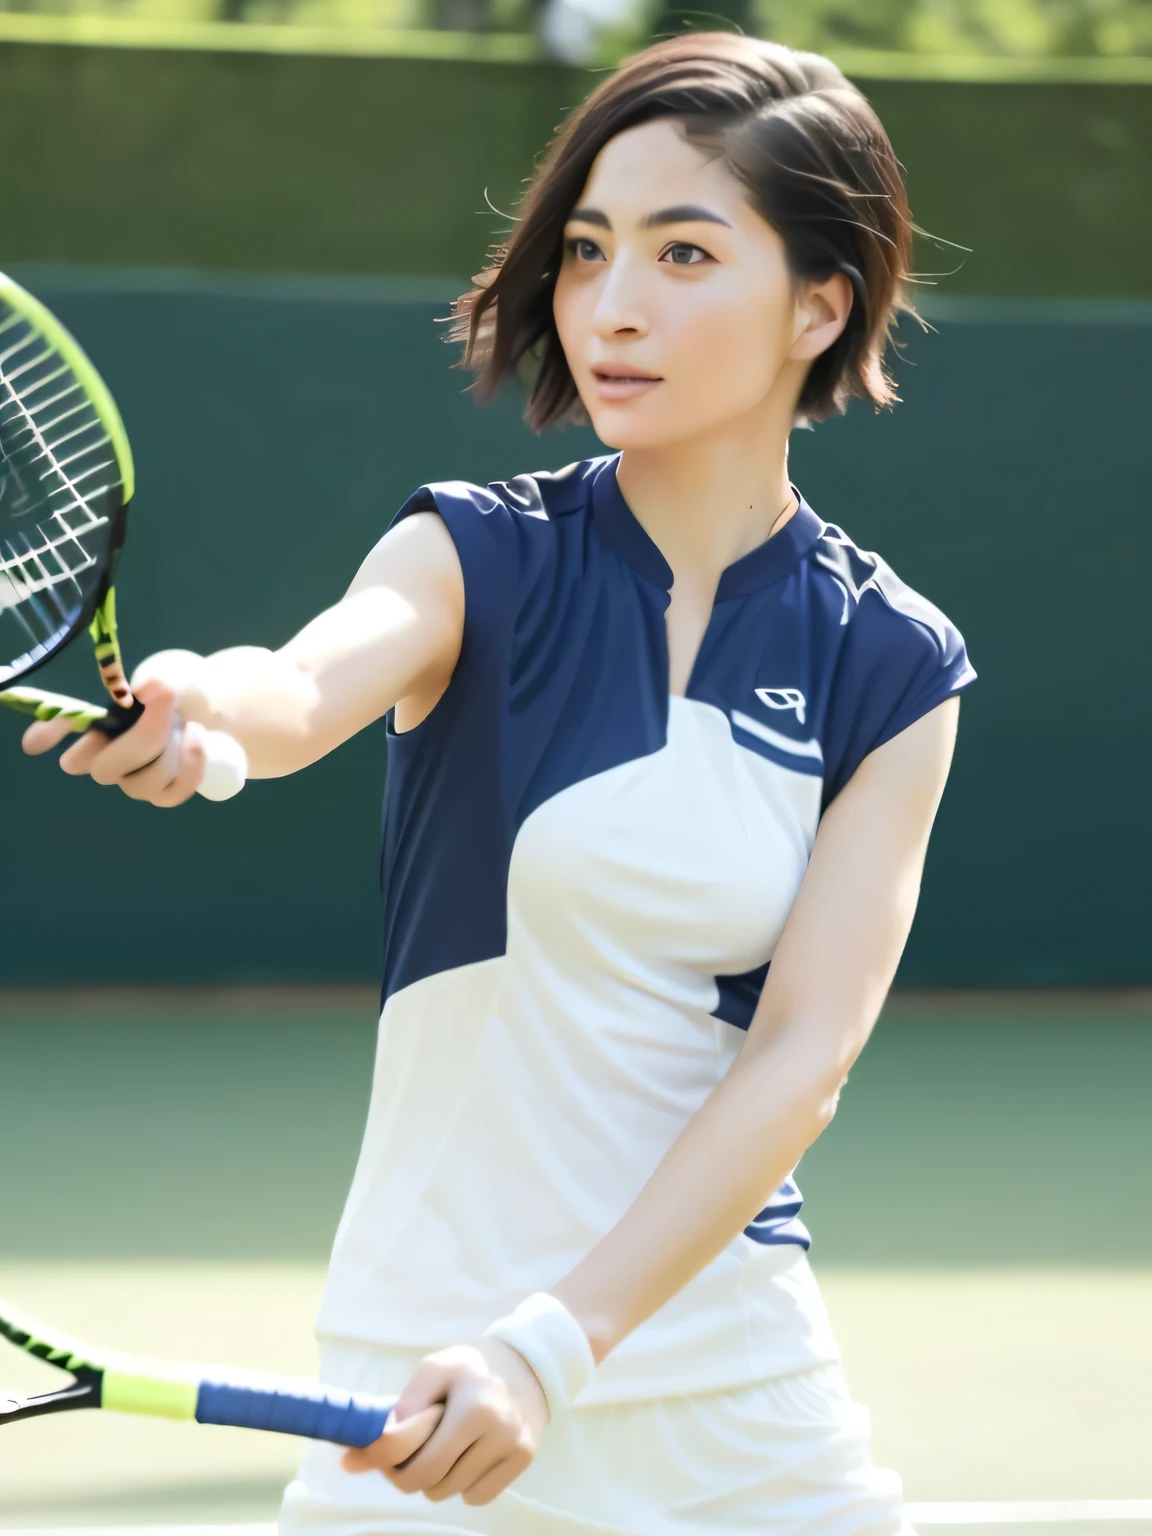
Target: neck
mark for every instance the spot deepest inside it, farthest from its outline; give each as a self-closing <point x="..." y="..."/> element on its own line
<point x="705" y="502"/>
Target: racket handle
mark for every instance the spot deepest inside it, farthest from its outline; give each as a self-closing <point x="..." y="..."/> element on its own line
<point x="225" y="761"/>
<point x="317" y="1413"/>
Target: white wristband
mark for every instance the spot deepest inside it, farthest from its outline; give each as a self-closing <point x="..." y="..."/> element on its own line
<point x="546" y="1334"/>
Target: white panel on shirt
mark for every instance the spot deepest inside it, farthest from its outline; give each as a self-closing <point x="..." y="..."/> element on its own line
<point x="521" y="1104"/>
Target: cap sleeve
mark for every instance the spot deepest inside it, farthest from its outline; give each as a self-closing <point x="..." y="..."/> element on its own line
<point x="487" y="530"/>
<point x="900" y="658"/>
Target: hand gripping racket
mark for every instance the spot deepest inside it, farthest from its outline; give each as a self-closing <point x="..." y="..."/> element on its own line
<point x="66" y="480"/>
<point x="131" y="1384"/>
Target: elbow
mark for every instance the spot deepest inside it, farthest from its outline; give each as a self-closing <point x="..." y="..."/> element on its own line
<point x="815" y="1093"/>
<point x="814" y="1076"/>
<point x="834" y="1067"/>
<point x="828" y="1101"/>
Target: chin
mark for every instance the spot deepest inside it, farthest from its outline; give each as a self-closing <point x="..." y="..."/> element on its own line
<point x="618" y="431"/>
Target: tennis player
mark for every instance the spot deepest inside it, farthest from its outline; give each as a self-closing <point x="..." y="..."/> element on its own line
<point x="665" y="749"/>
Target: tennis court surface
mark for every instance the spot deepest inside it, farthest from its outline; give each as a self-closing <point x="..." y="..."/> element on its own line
<point x="1000" y="1330"/>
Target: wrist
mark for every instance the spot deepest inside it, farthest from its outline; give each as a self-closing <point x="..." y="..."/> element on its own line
<point x="601" y="1330"/>
<point x="546" y="1335"/>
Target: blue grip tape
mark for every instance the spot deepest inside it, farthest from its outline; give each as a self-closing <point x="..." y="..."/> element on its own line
<point x="316" y="1412"/>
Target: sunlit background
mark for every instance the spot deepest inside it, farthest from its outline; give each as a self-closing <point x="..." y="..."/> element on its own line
<point x="584" y="29"/>
<point x="254" y="214"/>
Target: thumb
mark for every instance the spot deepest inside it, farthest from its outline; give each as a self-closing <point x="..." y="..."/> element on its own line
<point x="398" y="1442"/>
<point x="415" y="1414"/>
<point x="159" y="701"/>
<point x="430" y="1384"/>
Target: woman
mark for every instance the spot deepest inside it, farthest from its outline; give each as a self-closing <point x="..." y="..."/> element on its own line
<point x="653" y="725"/>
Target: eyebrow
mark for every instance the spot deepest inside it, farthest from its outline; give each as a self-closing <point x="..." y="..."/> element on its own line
<point x="683" y="213"/>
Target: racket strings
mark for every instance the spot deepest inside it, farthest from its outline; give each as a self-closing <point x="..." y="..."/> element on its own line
<point x="60" y="490"/>
<point x="59" y="556"/>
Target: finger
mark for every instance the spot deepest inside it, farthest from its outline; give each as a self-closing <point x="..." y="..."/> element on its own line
<point x="43" y="735"/>
<point x="190" y="760"/>
<point x="396" y="1444"/>
<point x="501" y="1476"/>
<point x="152" y="780"/>
<point x="144" y="742"/>
<point x="80" y="756"/>
<point x="463" y="1425"/>
<point x="431" y="1383"/>
<point x="477" y="1461"/>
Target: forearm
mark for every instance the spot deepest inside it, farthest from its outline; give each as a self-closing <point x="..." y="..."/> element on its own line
<point x="397" y="631"/>
<point x="732" y="1155"/>
<point x="262" y="698"/>
<point x="287" y="708"/>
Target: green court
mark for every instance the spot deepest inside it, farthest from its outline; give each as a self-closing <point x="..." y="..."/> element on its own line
<point x="999" y="1327"/>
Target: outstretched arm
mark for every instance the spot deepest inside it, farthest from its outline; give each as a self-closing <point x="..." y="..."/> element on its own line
<point x="394" y="636"/>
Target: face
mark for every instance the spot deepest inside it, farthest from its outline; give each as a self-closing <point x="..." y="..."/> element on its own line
<point x="674" y="303"/>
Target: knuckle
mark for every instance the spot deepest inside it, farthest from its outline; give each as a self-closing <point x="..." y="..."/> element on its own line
<point x="478" y="1421"/>
<point x="459" y="1359"/>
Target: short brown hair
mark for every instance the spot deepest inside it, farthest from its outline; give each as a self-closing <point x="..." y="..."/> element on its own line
<point x="818" y="166"/>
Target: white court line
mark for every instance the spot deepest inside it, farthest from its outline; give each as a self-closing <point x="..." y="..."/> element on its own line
<point x="1029" y="1512"/>
<point x="1009" y="1512"/>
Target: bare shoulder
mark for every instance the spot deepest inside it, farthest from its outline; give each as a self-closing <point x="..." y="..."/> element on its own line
<point x="416" y="557"/>
<point x="909" y="771"/>
<point x="926" y="745"/>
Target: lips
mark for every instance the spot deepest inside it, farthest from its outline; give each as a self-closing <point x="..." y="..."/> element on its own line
<point x="623" y="374"/>
<point x="618" y="382"/>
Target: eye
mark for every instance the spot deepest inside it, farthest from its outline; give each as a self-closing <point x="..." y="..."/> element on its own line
<point x="680" y="259"/>
<point x="582" y="248"/>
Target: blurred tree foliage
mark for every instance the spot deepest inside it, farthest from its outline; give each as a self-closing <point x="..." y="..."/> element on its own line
<point x="956" y="27"/>
<point x="1029" y="27"/>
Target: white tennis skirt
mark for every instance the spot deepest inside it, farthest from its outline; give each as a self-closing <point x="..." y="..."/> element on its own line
<point x="791" y="1456"/>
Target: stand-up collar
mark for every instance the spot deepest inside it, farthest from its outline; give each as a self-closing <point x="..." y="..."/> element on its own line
<point x="761" y="567"/>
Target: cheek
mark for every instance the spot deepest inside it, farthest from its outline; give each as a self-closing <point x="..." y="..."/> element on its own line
<point x="730" y="346"/>
<point x="571" y="312"/>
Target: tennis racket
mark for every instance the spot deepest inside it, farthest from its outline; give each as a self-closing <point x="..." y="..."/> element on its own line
<point x="66" y="481"/>
<point x="131" y="1384"/>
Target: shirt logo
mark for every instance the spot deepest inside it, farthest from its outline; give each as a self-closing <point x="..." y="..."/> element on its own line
<point x="783" y="698"/>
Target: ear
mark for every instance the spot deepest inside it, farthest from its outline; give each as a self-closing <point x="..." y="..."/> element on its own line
<point x="822" y="310"/>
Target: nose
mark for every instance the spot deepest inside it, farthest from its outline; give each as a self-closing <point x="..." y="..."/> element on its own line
<point x="620" y="304"/>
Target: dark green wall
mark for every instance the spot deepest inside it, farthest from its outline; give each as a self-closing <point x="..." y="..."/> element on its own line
<point x="274" y="162"/>
<point x="276" y="429"/>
